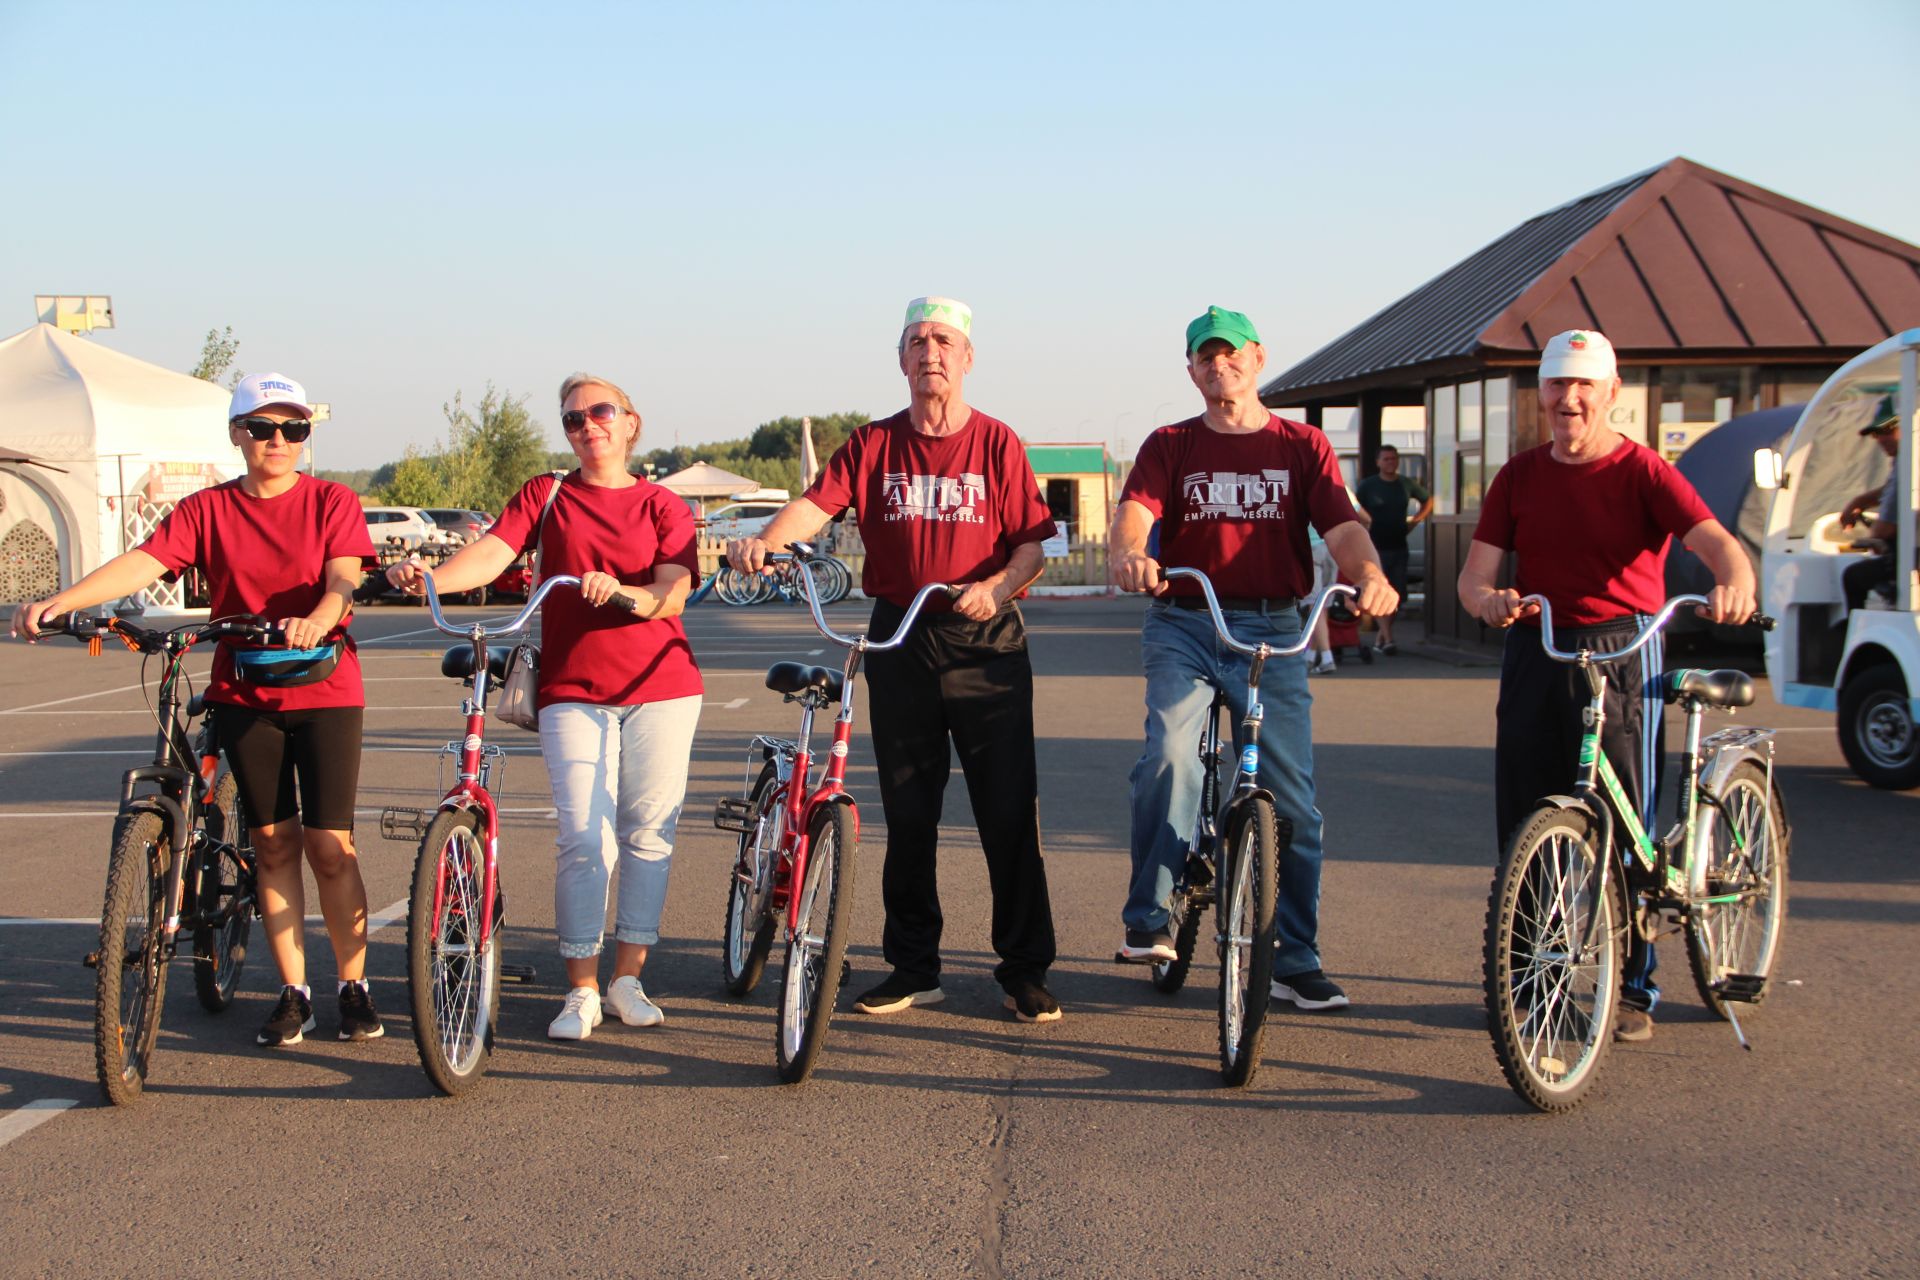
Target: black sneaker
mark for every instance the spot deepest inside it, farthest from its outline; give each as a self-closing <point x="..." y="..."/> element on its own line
<point x="358" y="1021"/>
<point x="1031" y="1001"/>
<point x="292" y="1019"/>
<point x="1146" y="946"/>
<point x="1310" y="990"/>
<point x="900" y="991"/>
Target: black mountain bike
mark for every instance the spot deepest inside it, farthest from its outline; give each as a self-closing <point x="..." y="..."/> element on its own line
<point x="182" y="859"/>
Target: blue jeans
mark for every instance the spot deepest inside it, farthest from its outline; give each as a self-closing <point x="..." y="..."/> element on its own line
<point x="1185" y="663"/>
<point x="619" y="775"/>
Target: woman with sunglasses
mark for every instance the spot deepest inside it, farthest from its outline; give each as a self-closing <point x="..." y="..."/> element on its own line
<point x="619" y="692"/>
<point x="290" y="548"/>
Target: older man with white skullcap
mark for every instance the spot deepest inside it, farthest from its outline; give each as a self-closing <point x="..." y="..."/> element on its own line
<point x="1588" y="516"/>
<point x="944" y="493"/>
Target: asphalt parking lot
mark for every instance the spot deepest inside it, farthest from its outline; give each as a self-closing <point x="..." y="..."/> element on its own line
<point x="952" y="1141"/>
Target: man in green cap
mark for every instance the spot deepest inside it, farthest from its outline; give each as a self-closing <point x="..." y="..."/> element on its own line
<point x="1235" y="490"/>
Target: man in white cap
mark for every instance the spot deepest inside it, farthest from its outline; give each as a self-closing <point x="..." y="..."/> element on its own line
<point x="944" y="493"/>
<point x="1587" y="517"/>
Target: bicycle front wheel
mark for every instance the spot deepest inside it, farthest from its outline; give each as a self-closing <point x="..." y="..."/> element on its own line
<point x="818" y="944"/>
<point x="227" y="899"/>
<point x="131" y="966"/>
<point x="748" y="935"/>
<point x="453" y="982"/>
<point x="1745" y="843"/>
<point x="1247" y="936"/>
<point x="1553" y="953"/>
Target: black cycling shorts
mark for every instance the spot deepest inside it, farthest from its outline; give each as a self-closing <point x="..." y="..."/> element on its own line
<point x="269" y="750"/>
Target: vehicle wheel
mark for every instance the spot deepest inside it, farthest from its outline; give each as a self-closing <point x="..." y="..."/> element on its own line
<point x="1366" y="652"/>
<point x="1550" y="1006"/>
<point x="1184" y="922"/>
<point x="1246" y="936"/>
<point x="732" y="586"/>
<point x="818" y="947"/>
<point x="131" y="969"/>
<point x="227" y="895"/>
<point x="453" y="986"/>
<point x="477" y="596"/>
<point x="1746" y="849"/>
<point x="1877" y="732"/>
<point x="749" y="929"/>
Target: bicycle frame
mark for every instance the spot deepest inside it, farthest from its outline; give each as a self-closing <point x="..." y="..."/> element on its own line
<point x="799" y="803"/>
<point x="469" y="790"/>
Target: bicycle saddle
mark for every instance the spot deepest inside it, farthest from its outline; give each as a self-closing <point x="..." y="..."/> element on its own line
<point x="457" y="662"/>
<point x="1715" y="688"/>
<point x="794" y="678"/>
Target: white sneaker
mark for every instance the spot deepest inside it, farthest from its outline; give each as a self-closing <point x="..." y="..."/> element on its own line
<point x="1323" y="666"/>
<point x="579" y="1017"/>
<point x="626" y="998"/>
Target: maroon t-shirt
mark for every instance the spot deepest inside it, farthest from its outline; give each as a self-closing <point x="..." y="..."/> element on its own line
<point x="1236" y="506"/>
<point x="606" y="656"/>
<point x="268" y="556"/>
<point x="1592" y="537"/>
<point x="934" y="508"/>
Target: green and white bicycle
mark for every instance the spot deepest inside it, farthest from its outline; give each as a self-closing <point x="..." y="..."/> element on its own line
<point x="1563" y="898"/>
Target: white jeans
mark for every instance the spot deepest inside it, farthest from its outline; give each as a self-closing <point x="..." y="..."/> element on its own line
<point x="619" y="775"/>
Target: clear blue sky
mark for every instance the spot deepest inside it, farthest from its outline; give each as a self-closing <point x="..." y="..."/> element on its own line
<point x="726" y="206"/>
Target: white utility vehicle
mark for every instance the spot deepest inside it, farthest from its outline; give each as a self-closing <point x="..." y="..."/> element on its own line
<point x="1862" y="664"/>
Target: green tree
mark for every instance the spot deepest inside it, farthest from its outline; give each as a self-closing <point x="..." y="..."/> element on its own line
<point x="418" y="481"/>
<point x="216" y="357"/>
<point x="491" y="450"/>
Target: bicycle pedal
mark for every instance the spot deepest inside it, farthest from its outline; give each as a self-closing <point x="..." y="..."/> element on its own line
<point x="1743" y="987"/>
<point x="405" y="824"/>
<point x="735" y="813"/>
<point x="522" y="973"/>
<point x="91" y="960"/>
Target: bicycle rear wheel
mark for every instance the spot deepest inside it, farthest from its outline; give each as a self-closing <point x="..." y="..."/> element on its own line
<point x="1746" y="846"/>
<point x="227" y="899"/>
<point x="131" y="966"/>
<point x="748" y="935"/>
<point x="1184" y="922"/>
<point x="452" y="982"/>
<point x="818" y="945"/>
<point x="1551" y="1002"/>
<point x="732" y="586"/>
<point x="1247" y="936"/>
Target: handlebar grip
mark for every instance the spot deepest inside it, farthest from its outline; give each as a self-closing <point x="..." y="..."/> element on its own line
<point x="953" y="592"/>
<point x="621" y="600"/>
<point x="1763" y="622"/>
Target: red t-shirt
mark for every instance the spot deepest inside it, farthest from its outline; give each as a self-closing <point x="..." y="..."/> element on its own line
<point x="934" y="508"/>
<point x="606" y="656"/>
<point x="1591" y="538"/>
<point x="268" y="556"/>
<point x="1236" y="507"/>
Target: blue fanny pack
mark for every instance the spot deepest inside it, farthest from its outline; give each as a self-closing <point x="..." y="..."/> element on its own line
<point x="286" y="668"/>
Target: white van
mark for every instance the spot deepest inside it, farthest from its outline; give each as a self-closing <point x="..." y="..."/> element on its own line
<point x="1863" y="665"/>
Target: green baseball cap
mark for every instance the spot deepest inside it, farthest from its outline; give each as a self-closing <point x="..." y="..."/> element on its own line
<point x="1229" y="326"/>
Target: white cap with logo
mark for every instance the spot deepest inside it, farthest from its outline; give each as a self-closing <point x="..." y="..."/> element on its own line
<point x="257" y="391"/>
<point x="948" y="311"/>
<point x="1578" y="353"/>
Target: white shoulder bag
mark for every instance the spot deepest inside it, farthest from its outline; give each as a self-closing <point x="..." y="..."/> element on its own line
<point x="519" y="702"/>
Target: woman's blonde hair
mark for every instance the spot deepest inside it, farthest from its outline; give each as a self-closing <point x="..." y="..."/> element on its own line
<point x="577" y="380"/>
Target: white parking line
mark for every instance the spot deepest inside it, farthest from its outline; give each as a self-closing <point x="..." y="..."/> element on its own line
<point x="78" y="697"/>
<point x="31" y="1116"/>
<point x="510" y="811"/>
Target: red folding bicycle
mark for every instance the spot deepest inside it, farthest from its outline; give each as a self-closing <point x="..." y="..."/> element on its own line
<point x="798" y="842"/>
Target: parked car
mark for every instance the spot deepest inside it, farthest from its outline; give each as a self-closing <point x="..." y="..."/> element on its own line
<point x="462" y="526"/>
<point x="409" y="526"/>
<point x="740" y="519"/>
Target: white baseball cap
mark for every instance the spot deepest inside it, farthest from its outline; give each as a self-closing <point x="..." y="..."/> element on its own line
<point x="1578" y="353"/>
<point x="258" y="390"/>
<point x="948" y="311"/>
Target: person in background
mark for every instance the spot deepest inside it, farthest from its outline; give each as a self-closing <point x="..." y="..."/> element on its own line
<point x="1386" y="496"/>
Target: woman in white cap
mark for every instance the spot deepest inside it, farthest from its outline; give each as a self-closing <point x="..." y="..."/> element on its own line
<point x="290" y="548"/>
<point x="619" y="692"/>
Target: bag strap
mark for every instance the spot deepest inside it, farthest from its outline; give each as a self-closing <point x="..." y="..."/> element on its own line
<point x="533" y="573"/>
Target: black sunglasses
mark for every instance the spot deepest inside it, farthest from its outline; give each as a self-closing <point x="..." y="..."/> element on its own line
<point x="262" y="429"/>
<point x="603" y="413"/>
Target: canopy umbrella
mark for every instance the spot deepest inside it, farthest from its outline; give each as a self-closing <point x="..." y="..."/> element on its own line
<point x="14" y="455"/>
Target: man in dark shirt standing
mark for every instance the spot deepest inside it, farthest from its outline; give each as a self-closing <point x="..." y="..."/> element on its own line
<point x="1385" y="496"/>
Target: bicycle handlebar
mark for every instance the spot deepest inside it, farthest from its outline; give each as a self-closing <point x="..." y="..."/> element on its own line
<point x="618" y="600"/>
<point x="92" y="628"/>
<point x="1640" y="640"/>
<point x="1251" y="650"/>
<point x="804" y="553"/>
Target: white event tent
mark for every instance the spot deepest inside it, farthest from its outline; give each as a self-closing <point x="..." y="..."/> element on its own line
<point x="111" y="441"/>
